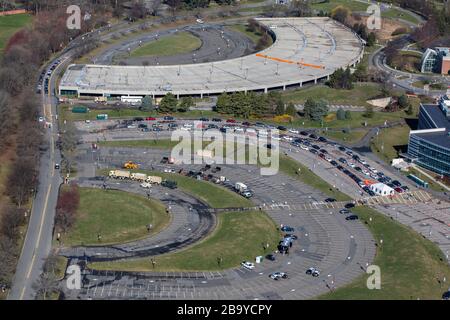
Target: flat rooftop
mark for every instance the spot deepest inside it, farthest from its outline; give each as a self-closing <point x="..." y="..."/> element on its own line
<point x="305" y="49"/>
<point x="442" y="121"/>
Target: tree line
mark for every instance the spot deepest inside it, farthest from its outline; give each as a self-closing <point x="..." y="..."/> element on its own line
<point x="22" y="134"/>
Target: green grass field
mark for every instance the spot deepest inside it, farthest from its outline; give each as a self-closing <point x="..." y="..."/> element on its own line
<point x="359" y="6"/>
<point x="431" y="184"/>
<point x="356" y="96"/>
<point x="213" y="195"/>
<point x="410" y="264"/>
<point x="10" y="25"/>
<point x="239" y="236"/>
<point x="348" y="137"/>
<point x="254" y="36"/>
<point x="181" y="42"/>
<point x="291" y="168"/>
<point x="117" y="216"/>
<point x="383" y="145"/>
<point x="331" y="4"/>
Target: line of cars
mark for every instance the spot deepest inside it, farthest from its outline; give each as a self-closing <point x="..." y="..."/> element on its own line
<point x="349" y="161"/>
<point x="44" y="77"/>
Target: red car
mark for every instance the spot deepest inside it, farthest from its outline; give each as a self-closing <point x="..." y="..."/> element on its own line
<point x="150" y="119"/>
<point x="399" y="190"/>
<point x="231" y="121"/>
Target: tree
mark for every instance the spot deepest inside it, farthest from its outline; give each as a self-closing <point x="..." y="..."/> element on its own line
<point x="371" y="39"/>
<point x="279" y="109"/>
<point x="369" y="113"/>
<point x="410" y="110"/>
<point x="21" y="181"/>
<point x="185" y="104"/>
<point x="291" y="110"/>
<point x="340" y="114"/>
<point x="147" y="104"/>
<point x="348" y="115"/>
<point x="341" y="79"/>
<point x="66" y="208"/>
<point x="168" y="103"/>
<point x="315" y="110"/>
<point x="224" y="104"/>
<point x="341" y="14"/>
<point x="403" y="101"/>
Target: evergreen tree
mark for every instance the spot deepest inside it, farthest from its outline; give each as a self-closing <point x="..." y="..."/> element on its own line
<point x="340" y="114"/>
<point x="290" y="109"/>
<point x="168" y="103"/>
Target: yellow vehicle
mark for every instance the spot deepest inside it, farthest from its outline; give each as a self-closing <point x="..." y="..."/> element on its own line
<point x="130" y="165"/>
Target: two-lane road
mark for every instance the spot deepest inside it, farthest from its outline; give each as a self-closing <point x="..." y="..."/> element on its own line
<point x="38" y="240"/>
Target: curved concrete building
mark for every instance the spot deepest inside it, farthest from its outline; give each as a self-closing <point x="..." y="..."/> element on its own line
<point x="305" y="50"/>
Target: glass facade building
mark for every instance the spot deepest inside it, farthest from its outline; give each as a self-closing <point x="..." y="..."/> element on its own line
<point x="429" y="146"/>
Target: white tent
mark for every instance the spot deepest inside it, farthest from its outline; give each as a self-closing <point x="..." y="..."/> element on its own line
<point x="381" y="189"/>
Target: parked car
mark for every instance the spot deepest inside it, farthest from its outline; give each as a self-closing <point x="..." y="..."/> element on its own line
<point x="278" y="275"/>
<point x="287" y="229"/>
<point x="352" y="217"/>
<point x="330" y="200"/>
<point x="396" y="183"/>
<point x="399" y="190"/>
<point x="344" y="211"/>
<point x="313" y="272"/>
<point x="349" y="205"/>
<point x="248" y="265"/>
<point x="271" y="257"/>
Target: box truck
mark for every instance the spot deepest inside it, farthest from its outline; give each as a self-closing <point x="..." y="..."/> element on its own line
<point x="119" y="174"/>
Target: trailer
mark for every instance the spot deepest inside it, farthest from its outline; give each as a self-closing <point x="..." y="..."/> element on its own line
<point x="139" y="176"/>
<point x="119" y="174"/>
<point x="154" y="179"/>
<point x="240" y="187"/>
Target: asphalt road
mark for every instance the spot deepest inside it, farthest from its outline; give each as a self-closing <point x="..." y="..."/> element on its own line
<point x="212" y="36"/>
<point x="38" y="240"/>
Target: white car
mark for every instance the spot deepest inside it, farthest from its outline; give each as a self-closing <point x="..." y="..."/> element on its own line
<point x="278" y="275"/>
<point x="146" y="185"/>
<point x="351" y="164"/>
<point x="302" y="146"/>
<point x="41" y="119"/>
<point x="200" y="21"/>
<point x="366" y="172"/>
<point x="169" y="171"/>
<point x="262" y="133"/>
<point x="248" y="265"/>
<point x="275" y="137"/>
<point x="185" y="128"/>
<point x="313" y="272"/>
<point x="327" y="158"/>
<point x="288" y="138"/>
<point x="373" y="170"/>
<point x="294" y="131"/>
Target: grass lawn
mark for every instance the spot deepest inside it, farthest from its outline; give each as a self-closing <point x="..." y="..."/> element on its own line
<point x="383" y="145"/>
<point x="290" y="167"/>
<point x="358" y="120"/>
<point x="239" y="236"/>
<point x="410" y="264"/>
<point x="10" y="25"/>
<point x="431" y="184"/>
<point x="118" y="216"/>
<point x="331" y="4"/>
<point x="214" y="195"/>
<point x="254" y="36"/>
<point x="348" y="137"/>
<point x="395" y="14"/>
<point x="177" y="43"/>
<point x="356" y="96"/>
